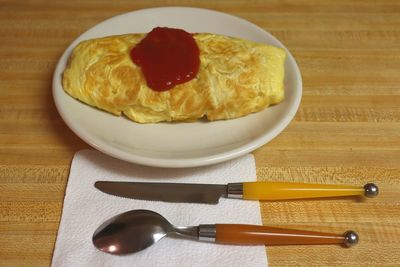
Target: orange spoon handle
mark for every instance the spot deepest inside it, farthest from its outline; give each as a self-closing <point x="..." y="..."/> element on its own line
<point x="256" y="234"/>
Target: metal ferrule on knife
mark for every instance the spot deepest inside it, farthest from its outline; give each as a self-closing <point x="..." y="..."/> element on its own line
<point x="235" y="190"/>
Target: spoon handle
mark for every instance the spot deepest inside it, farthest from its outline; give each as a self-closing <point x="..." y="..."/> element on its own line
<point x="257" y="234"/>
<point x="284" y="191"/>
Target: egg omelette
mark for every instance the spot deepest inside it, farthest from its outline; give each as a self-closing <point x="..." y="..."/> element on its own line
<point x="236" y="77"/>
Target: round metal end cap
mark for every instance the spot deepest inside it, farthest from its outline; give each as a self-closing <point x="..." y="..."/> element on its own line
<point x="350" y="238"/>
<point x="371" y="190"/>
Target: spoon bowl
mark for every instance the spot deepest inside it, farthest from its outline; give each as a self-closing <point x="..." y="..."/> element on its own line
<point x="131" y="232"/>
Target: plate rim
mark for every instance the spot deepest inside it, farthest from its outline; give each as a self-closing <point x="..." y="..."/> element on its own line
<point x="181" y="163"/>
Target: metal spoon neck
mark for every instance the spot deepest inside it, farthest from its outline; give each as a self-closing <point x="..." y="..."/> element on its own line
<point x="189" y="232"/>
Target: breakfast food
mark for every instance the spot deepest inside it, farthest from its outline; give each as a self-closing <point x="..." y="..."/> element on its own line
<point x="233" y="78"/>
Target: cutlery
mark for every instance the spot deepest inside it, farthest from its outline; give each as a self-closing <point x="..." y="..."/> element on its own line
<point x="210" y="193"/>
<point x="136" y="230"/>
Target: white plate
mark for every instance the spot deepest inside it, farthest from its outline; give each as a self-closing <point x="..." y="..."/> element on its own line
<point x="178" y="144"/>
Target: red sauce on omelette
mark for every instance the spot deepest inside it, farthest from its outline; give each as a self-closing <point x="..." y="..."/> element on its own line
<point x="167" y="57"/>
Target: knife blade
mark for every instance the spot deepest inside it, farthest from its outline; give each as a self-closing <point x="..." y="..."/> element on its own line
<point x="211" y="193"/>
<point x="168" y="192"/>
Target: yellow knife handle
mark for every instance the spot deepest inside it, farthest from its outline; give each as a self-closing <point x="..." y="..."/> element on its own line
<point x="283" y="191"/>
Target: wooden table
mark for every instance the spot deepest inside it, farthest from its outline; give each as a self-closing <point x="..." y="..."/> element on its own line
<point x="346" y="131"/>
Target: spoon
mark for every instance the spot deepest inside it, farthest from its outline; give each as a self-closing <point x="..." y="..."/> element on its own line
<point x="136" y="230"/>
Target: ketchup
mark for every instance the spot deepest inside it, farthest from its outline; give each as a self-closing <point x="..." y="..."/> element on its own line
<point x="167" y="57"/>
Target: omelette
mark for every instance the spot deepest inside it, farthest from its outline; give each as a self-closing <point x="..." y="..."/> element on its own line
<point x="236" y="77"/>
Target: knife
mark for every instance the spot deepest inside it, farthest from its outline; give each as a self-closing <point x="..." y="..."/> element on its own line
<point x="211" y="193"/>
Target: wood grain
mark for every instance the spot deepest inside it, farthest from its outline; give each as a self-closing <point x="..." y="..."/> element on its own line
<point x="347" y="129"/>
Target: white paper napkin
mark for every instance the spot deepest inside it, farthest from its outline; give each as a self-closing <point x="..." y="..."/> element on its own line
<point x="85" y="208"/>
